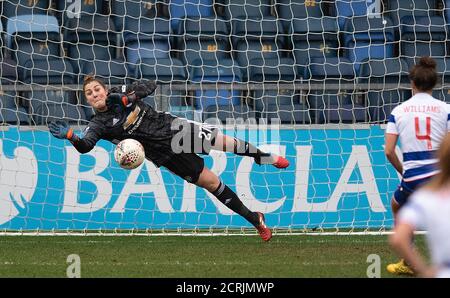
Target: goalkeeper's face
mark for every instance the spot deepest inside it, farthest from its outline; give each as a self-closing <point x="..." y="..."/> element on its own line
<point x="96" y="95"/>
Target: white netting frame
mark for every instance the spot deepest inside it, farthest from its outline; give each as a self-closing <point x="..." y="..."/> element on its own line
<point x="303" y="88"/>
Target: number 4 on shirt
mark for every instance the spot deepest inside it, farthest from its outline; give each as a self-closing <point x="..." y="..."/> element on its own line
<point x="427" y="136"/>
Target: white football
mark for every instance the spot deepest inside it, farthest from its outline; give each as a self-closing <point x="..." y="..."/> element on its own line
<point x="129" y="154"/>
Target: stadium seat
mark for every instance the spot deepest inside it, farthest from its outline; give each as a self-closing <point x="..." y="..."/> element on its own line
<point x="423" y="36"/>
<point x="122" y="10"/>
<point x="114" y="71"/>
<point x="256" y="41"/>
<point x="80" y="54"/>
<point x="13" y="8"/>
<point x="147" y="38"/>
<point x="330" y="105"/>
<point x="368" y="38"/>
<point x="246" y="9"/>
<point x="48" y="102"/>
<point x="90" y="38"/>
<point x="181" y="10"/>
<point x="313" y="38"/>
<point x="398" y="9"/>
<point x="447" y="11"/>
<point x="33" y="37"/>
<point x="204" y="40"/>
<point x="384" y="94"/>
<point x="274" y="102"/>
<point x="11" y="111"/>
<point x="347" y="9"/>
<point x="211" y="101"/>
<point x="165" y="72"/>
<point x="301" y="9"/>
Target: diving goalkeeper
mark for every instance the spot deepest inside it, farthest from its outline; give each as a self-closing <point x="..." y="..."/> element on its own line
<point x="169" y="141"/>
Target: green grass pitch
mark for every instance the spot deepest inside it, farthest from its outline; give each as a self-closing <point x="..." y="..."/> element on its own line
<point x="178" y="256"/>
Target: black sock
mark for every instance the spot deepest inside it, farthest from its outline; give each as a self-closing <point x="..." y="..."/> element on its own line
<point x="244" y="148"/>
<point x="224" y="194"/>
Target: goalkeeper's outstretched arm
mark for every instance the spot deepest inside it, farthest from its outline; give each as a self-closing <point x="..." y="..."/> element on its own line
<point x="62" y="130"/>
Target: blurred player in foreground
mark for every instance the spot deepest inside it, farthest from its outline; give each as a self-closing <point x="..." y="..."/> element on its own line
<point x="421" y="123"/>
<point x="168" y="141"/>
<point x="428" y="209"/>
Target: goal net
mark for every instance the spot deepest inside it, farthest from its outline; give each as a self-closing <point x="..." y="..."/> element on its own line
<point x="312" y="80"/>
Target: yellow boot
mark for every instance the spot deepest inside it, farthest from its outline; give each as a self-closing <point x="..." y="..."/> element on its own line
<point x="400" y="268"/>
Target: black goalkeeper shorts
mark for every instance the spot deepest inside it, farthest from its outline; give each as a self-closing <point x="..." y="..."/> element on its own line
<point x="195" y="138"/>
<point x="186" y="165"/>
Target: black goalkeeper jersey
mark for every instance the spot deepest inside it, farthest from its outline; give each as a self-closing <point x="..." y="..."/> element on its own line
<point x="140" y="122"/>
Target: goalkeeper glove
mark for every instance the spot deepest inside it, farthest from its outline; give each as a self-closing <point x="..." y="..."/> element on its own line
<point x="117" y="101"/>
<point x="142" y="88"/>
<point x="61" y="130"/>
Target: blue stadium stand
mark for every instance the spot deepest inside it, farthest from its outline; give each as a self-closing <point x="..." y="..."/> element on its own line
<point x="347" y="9"/>
<point x="122" y="10"/>
<point x="333" y="106"/>
<point x="12" y="8"/>
<point x="11" y="111"/>
<point x="219" y="103"/>
<point x="33" y="37"/>
<point x="204" y="48"/>
<point x="312" y="38"/>
<point x="51" y="103"/>
<point x="90" y="38"/>
<point x="368" y="38"/>
<point x="278" y="103"/>
<point x="147" y="38"/>
<point x="389" y="71"/>
<point x="398" y="9"/>
<point x="257" y="41"/>
<point x="423" y="36"/>
<point x="180" y="10"/>
<point x="203" y="41"/>
<point x="165" y="72"/>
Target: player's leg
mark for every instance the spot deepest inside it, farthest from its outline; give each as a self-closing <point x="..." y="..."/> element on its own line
<point x="205" y="137"/>
<point x="240" y="147"/>
<point x="395" y="208"/>
<point x="191" y="168"/>
<point x="398" y="200"/>
<point x="209" y="181"/>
